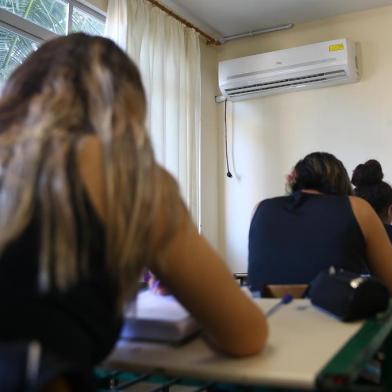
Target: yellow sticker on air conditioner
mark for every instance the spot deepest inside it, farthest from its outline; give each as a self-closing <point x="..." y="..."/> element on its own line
<point x="336" y="47"/>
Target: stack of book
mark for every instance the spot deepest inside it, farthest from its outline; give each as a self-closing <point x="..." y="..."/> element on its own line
<point x="158" y="318"/>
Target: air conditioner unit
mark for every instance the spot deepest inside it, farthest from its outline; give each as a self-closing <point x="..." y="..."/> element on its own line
<point x="309" y="66"/>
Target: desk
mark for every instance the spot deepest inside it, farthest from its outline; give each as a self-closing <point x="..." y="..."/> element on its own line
<point x="303" y="341"/>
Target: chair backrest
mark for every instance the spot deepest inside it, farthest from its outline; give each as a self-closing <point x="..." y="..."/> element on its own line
<point x="279" y="290"/>
<point x="24" y="366"/>
<point x="19" y="365"/>
<point x="241" y="277"/>
<point x="59" y="385"/>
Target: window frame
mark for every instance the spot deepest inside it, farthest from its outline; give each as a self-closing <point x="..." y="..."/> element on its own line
<point x="39" y="34"/>
<point x="85" y="7"/>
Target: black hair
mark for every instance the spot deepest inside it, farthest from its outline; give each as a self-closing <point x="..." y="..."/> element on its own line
<point x="368" y="180"/>
<point x="322" y="172"/>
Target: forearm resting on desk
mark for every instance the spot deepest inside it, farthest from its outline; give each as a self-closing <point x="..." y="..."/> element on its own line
<point x="197" y="276"/>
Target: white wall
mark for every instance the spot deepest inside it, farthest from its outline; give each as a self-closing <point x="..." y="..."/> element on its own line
<point x="268" y="135"/>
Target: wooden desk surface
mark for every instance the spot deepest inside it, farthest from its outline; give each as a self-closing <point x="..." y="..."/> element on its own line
<point x="302" y="339"/>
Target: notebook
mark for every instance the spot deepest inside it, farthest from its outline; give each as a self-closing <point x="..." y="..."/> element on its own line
<point x="158" y="318"/>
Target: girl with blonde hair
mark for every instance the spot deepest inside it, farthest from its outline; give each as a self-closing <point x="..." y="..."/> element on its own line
<point x="84" y="207"/>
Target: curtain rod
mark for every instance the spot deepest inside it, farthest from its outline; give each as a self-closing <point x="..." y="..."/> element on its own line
<point x="210" y="40"/>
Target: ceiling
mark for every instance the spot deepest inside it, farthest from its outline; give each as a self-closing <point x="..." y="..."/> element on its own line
<point x="223" y="18"/>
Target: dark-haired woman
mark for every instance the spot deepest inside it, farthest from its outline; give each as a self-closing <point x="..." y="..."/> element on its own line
<point x="84" y="207"/>
<point x="292" y="238"/>
<point x="368" y="181"/>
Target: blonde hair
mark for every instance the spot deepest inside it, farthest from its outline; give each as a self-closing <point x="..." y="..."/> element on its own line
<point x="74" y="86"/>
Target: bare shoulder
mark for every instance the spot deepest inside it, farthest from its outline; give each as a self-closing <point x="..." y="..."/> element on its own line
<point x="165" y="178"/>
<point x="366" y="217"/>
<point x="91" y="169"/>
<point x="361" y="207"/>
<point x="89" y="146"/>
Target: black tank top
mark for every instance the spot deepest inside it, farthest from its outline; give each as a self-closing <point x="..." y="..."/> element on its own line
<point x="79" y="325"/>
<point x="293" y="238"/>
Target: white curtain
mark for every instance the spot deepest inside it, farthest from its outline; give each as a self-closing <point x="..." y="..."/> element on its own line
<point x="168" y="55"/>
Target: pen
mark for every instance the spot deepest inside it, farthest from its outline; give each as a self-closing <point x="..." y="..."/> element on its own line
<point x="286" y="299"/>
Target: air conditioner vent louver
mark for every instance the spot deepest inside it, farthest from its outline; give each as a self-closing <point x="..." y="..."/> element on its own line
<point x="310" y="66"/>
<point x="286" y="83"/>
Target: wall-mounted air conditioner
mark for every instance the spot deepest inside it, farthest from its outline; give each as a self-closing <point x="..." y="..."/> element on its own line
<point x="309" y="66"/>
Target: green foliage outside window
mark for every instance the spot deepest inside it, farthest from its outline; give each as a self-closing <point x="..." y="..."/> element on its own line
<point x="49" y="14"/>
<point x="82" y="21"/>
<point x="14" y="49"/>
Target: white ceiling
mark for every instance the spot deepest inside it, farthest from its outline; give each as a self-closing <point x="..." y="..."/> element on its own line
<point x="222" y="18"/>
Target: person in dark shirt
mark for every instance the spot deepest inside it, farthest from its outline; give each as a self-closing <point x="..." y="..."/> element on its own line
<point x="318" y="225"/>
<point x="368" y="181"/>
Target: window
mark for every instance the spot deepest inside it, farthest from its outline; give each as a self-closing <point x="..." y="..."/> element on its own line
<point x="49" y="14"/>
<point x="84" y="21"/>
<point x="25" y="24"/>
<point x="14" y="48"/>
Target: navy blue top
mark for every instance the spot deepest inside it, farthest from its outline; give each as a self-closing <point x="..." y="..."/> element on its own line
<point x="292" y="238"/>
<point x="388" y="228"/>
<point x="79" y="325"/>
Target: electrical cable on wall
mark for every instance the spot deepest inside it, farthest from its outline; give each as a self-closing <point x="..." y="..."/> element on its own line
<point x="228" y="174"/>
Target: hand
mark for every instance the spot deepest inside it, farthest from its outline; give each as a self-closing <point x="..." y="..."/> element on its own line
<point x="154" y="284"/>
